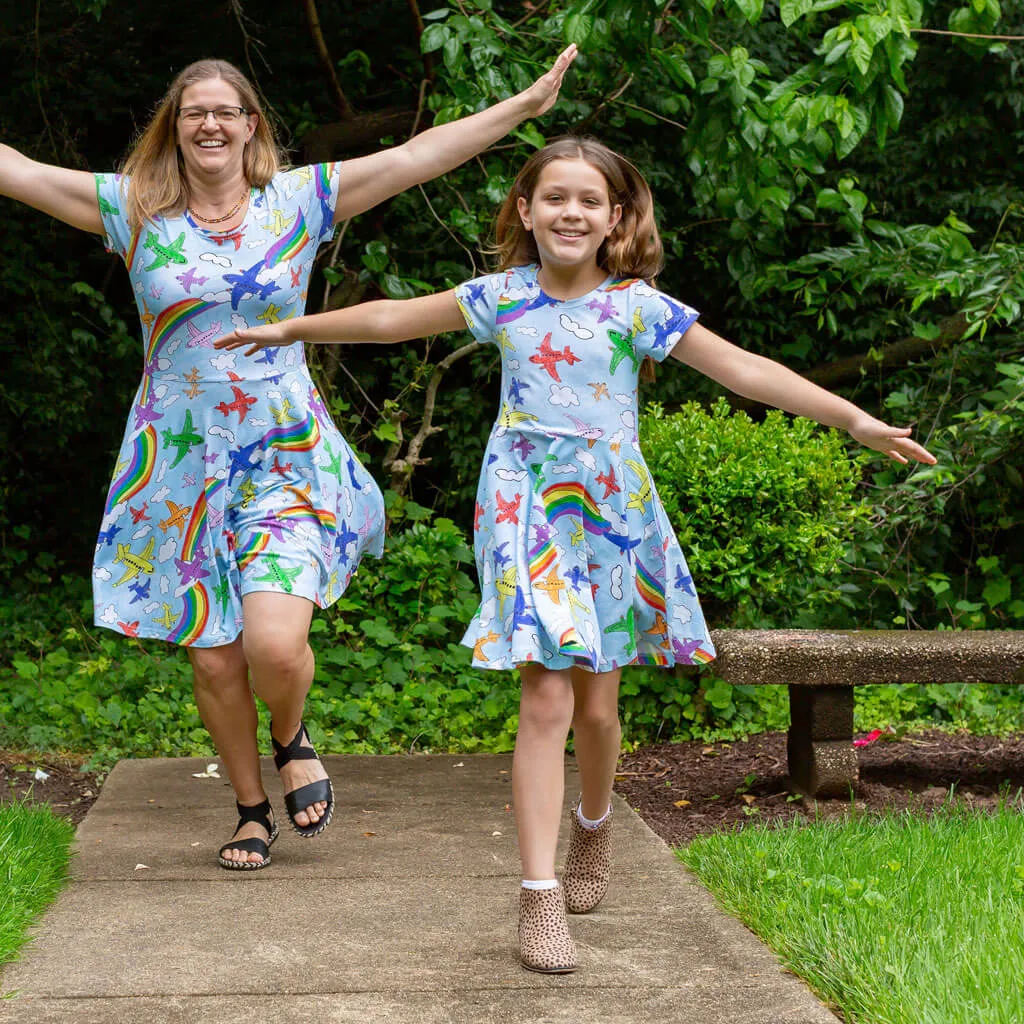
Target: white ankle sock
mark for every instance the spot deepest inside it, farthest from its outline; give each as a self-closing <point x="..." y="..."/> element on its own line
<point x="586" y="822"/>
<point x="542" y="883"/>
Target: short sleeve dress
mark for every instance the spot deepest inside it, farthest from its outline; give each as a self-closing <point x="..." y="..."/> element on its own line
<point x="578" y="563"/>
<point x="231" y="478"/>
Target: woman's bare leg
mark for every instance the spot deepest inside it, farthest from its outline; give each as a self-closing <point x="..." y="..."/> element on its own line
<point x="281" y="664"/>
<point x="220" y="681"/>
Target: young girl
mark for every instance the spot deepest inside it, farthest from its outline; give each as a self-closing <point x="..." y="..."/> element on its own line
<point x="579" y="569"/>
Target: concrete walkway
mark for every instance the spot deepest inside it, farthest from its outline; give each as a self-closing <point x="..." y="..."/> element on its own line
<point x="403" y="911"/>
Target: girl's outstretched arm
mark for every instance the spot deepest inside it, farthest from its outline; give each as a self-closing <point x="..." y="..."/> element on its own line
<point x="68" y="195"/>
<point x="766" y="381"/>
<point x="368" y="180"/>
<point x="387" y="320"/>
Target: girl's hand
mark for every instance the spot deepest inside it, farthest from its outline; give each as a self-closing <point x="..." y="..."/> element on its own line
<point x="892" y="441"/>
<point x="542" y="94"/>
<point x="268" y="336"/>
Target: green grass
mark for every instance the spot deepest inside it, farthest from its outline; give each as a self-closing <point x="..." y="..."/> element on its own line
<point x="899" y="919"/>
<point x="34" y="853"/>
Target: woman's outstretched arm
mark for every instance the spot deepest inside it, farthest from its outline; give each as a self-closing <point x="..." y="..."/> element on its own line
<point x="384" y="321"/>
<point x="366" y="181"/>
<point x="68" y="195"/>
<point x="764" y="380"/>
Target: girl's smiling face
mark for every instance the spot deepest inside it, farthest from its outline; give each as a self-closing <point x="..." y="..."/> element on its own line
<point x="570" y="213"/>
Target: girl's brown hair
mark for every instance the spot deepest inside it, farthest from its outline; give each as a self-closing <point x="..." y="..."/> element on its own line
<point x="633" y="249"/>
<point x="159" y="184"/>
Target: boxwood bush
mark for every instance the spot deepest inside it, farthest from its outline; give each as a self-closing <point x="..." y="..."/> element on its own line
<point x="761" y="509"/>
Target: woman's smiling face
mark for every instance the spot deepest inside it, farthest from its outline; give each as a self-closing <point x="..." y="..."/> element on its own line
<point x="211" y="148"/>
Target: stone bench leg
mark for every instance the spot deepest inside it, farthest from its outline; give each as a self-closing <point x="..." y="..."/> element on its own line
<point x="822" y="758"/>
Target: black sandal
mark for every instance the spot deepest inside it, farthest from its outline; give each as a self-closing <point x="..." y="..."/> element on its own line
<point x="261" y="814"/>
<point x="317" y="792"/>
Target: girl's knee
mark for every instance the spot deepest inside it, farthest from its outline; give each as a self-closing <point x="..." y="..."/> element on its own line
<point x="545" y="708"/>
<point x="597" y="717"/>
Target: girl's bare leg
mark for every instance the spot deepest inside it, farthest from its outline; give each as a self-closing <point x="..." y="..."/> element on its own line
<point x="538" y="765"/>
<point x="597" y="736"/>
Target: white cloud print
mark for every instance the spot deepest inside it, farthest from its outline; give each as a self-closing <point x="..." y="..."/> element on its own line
<point x="215" y="259"/>
<point x="228" y="435"/>
<point x="572" y="327"/>
<point x="563" y="396"/>
<point x="530" y="332"/>
<point x="225" y="361"/>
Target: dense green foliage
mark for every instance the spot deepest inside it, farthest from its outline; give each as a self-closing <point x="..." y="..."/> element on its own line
<point x="837" y="187"/>
<point x="35" y="847"/>
<point x="893" y="918"/>
<point x="391" y="674"/>
<point x="762" y="509"/>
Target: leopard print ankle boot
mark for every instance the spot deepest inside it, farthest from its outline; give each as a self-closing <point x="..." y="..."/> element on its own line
<point x="587" y="864"/>
<point x="544" y="941"/>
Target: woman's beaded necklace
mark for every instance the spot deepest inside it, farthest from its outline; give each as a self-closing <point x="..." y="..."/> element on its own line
<point x="227" y="216"/>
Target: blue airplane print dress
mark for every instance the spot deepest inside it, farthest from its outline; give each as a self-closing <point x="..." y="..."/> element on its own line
<point x="578" y="563"/>
<point x="232" y="478"/>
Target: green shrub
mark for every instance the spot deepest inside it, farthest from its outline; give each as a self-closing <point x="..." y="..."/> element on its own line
<point x="391" y="674"/>
<point x="760" y="509"/>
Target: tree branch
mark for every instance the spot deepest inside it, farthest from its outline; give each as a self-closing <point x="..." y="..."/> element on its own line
<point x="898" y="354"/>
<point x="345" y="110"/>
<point x="428" y="58"/>
<point x="253" y="45"/>
<point x="402" y="469"/>
<point x="847" y="370"/>
<point x="967" y="35"/>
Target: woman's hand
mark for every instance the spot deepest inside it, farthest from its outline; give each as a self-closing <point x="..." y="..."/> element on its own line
<point x="267" y="336"/>
<point x="365" y="181"/>
<point x="892" y="441"/>
<point x="543" y="93"/>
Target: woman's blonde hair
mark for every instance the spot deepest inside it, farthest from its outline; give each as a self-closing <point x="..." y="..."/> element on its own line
<point x="159" y="184"/>
<point x="633" y="249"/>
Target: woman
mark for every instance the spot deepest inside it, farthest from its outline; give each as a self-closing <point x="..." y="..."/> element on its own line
<point x="236" y="505"/>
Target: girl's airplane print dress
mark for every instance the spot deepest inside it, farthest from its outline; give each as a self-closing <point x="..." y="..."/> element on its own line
<point x="232" y="477"/>
<point x="578" y="563"/>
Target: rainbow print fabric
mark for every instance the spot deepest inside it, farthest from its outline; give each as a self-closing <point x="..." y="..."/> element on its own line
<point x="232" y="477"/>
<point x="577" y="561"/>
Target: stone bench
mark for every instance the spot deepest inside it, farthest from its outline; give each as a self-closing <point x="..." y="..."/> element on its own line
<point x="822" y="668"/>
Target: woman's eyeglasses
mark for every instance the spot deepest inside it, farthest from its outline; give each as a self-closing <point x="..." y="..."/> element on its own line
<point x="222" y="115"/>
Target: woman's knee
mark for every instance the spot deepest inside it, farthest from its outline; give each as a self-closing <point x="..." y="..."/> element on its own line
<point x="277" y="651"/>
<point x="216" y="669"/>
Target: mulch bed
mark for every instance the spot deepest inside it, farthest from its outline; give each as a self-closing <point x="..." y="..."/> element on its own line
<point x="684" y="790"/>
<point x="68" y="790"/>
